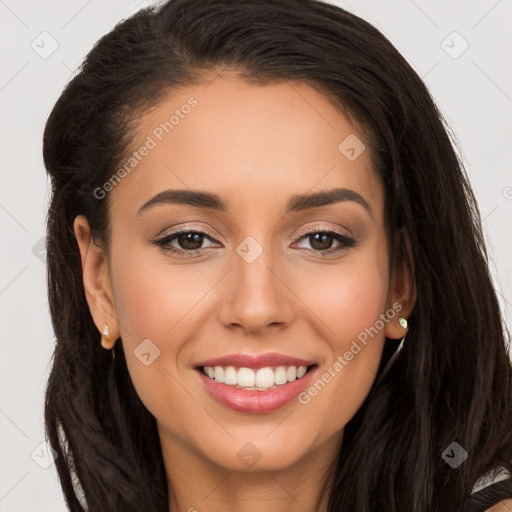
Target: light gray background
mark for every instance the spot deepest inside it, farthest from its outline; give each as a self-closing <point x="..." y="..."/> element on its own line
<point x="473" y="90"/>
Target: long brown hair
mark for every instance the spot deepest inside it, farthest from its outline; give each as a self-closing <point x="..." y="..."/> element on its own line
<point x="452" y="380"/>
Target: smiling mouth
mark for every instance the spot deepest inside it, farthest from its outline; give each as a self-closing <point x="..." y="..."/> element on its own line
<point x="256" y="379"/>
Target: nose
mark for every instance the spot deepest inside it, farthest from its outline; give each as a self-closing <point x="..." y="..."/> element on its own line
<point x="256" y="295"/>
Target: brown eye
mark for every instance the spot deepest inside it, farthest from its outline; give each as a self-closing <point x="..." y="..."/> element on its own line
<point x="185" y="242"/>
<point x="321" y="241"/>
<point x="190" y="241"/>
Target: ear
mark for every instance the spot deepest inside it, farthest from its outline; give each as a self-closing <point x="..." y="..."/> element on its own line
<point x="402" y="290"/>
<point x="96" y="279"/>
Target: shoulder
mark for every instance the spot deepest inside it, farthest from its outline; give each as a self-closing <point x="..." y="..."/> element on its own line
<point x="502" y="506"/>
<point x="492" y="493"/>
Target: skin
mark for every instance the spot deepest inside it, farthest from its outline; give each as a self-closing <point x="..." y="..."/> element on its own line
<point x="257" y="146"/>
<point x="502" y="506"/>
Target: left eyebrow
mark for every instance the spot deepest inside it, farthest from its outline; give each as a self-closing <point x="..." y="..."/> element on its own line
<point x="188" y="197"/>
<point x="296" y="203"/>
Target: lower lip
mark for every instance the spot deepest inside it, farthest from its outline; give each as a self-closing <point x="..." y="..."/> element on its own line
<point x="256" y="401"/>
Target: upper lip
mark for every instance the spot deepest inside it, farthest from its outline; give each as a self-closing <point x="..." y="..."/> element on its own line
<point x="255" y="360"/>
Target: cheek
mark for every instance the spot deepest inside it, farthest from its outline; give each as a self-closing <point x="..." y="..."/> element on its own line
<point x="154" y="299"/>
<point x="353" y="306"/>
<point x="158" y="302"/>
<point x="350" y="298"/>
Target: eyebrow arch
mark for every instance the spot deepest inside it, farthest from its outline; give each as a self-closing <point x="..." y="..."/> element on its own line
<point x="314" y="200"/>
<point x="296" y="203"/>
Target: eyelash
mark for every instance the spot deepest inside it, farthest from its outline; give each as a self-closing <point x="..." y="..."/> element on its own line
<point x="345" y="241"/>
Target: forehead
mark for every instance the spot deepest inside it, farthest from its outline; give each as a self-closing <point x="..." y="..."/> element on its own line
<point x="247" y="142"/>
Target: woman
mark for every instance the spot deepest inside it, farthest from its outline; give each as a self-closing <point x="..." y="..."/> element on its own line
<point x="267" y="276"/>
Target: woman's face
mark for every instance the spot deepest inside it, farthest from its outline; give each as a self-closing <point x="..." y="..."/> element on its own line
<point x="256" y="283"/>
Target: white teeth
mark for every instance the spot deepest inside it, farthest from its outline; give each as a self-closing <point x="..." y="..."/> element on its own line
<point x="219" y="373"/>
<point x="246" y="377"/>
<point x="261" y="379"/>
<point x="264" y="378"/>
<point x="230" y="376"/>
<point x="280" y="376"/>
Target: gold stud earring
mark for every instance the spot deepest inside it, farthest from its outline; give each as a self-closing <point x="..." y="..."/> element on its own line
<point x="403" y="322"/>
<point x="106" y="342"/>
